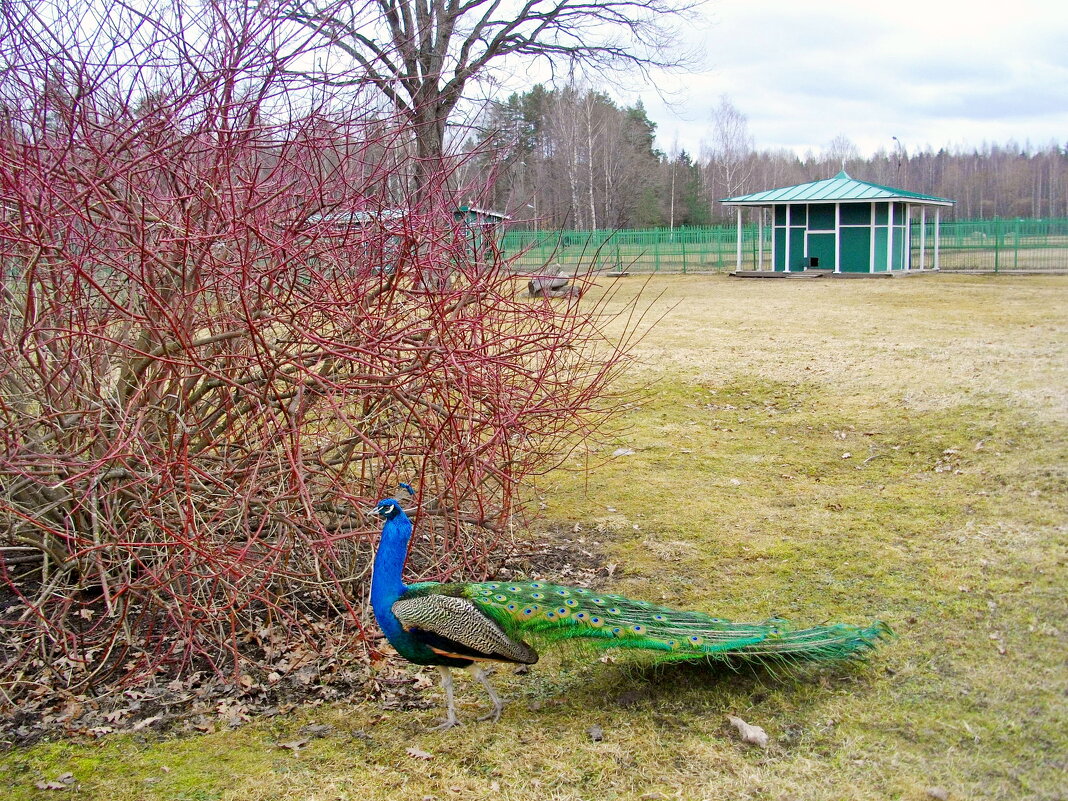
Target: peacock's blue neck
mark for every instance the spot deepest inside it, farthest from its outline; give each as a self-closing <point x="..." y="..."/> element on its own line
<point x="387" y="584"/>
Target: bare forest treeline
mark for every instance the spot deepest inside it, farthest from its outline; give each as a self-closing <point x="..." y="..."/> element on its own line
<point x="575" y="158"/>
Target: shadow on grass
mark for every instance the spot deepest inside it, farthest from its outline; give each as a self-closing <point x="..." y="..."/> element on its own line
<point x="700" y="687"/>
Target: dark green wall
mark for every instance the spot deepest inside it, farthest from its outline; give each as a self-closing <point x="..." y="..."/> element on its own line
<point x="815" y="224"/>
<point x="821" y="246"/>
<point x="856" y="249"/>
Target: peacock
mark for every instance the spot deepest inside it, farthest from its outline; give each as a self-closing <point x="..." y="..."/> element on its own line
<point x="462" y="625"/>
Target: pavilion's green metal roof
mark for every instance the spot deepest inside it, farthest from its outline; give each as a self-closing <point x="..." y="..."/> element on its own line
<point x="840" y="189"/>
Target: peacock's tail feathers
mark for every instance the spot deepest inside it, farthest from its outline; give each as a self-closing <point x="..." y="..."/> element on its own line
<point x="545" y="614"/>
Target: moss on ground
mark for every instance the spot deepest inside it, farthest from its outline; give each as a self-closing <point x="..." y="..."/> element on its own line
<point x="924" y="485"/>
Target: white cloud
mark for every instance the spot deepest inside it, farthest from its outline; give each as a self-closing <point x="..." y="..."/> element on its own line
<point x="931" y="73"/>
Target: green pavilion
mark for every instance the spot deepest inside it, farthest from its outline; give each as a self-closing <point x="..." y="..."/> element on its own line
<point x="843" y="226"/>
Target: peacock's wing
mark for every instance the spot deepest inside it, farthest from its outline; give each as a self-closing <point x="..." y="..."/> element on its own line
<point x="453" y="626"/>
<point x="549" y="613"/>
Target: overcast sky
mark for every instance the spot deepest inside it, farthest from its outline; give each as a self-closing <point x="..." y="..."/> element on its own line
<point x="930" y="72"/>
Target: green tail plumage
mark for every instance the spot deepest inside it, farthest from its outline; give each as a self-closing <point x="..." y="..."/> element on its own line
<point x="548" y="613"/>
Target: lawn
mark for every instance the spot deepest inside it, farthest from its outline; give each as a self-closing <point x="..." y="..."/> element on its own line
<point x="816" y="450"/>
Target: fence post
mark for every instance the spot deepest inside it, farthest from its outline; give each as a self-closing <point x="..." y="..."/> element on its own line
<point x="997" y="243"/>
<point x="1016" y="245"/>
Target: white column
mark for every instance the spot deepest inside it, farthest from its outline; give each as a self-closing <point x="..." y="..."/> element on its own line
<point x="871" y="239"/>
<point x="739" y="239"/>
<point x="786" y="241"/>
<point x="923" y="237"/>
<point x="906" y="256"/>
<point x="838" y="237"/>
<point x="773" y="249"/>
<point x="760" y="240"/>
<point x="937" y="234"/>
<point x="890" y="236"/>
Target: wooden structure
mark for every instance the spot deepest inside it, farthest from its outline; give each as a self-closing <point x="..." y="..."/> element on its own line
<point x="479" y="229"/>
<point x="483" y="229"/>
<point x="843" y="226"/>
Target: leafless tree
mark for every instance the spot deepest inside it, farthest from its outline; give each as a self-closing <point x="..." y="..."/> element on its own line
<point x="575" y="157"/>
<point x="729" y="151"/>
<point x="423" y="54"/>
<point x="839" y="151"/>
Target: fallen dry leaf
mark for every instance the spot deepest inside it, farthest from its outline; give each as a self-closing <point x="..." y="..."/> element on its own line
<point x="416" y="753"/>
<point x="422" y="681"/>
<point x="51" y="786"/>
<point x="294" y="745"/>
<point x="316" y="729"/>
<point x="753" y="735"/>
<point x="61" y="782"/>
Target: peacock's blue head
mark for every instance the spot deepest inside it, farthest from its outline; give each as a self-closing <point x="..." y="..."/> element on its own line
<point x="388" y="508"/>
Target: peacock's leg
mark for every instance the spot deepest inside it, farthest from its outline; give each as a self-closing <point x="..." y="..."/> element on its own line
<point x="480" y="675"/>
<point x="450" y="702"/>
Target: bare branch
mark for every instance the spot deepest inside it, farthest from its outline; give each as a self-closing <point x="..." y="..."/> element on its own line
<point x="422" y="55"/>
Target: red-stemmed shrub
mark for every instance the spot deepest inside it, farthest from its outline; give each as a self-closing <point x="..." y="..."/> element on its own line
<point x="229" y="323"/>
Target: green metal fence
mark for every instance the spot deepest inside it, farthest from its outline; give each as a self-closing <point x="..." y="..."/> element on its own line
<point x="681" y="250"/>
<point x="997" y="245"/>
<point x="966" y="245"/>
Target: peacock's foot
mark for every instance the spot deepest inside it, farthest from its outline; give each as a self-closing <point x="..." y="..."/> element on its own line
<point x="494" y="714"/>
<point x="446" y="724"/>
<point x="481" y="676"/>
<point x="450" y="702"/>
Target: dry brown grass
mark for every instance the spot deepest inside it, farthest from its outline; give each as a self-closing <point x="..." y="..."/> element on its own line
<point x="930" y="341"/>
